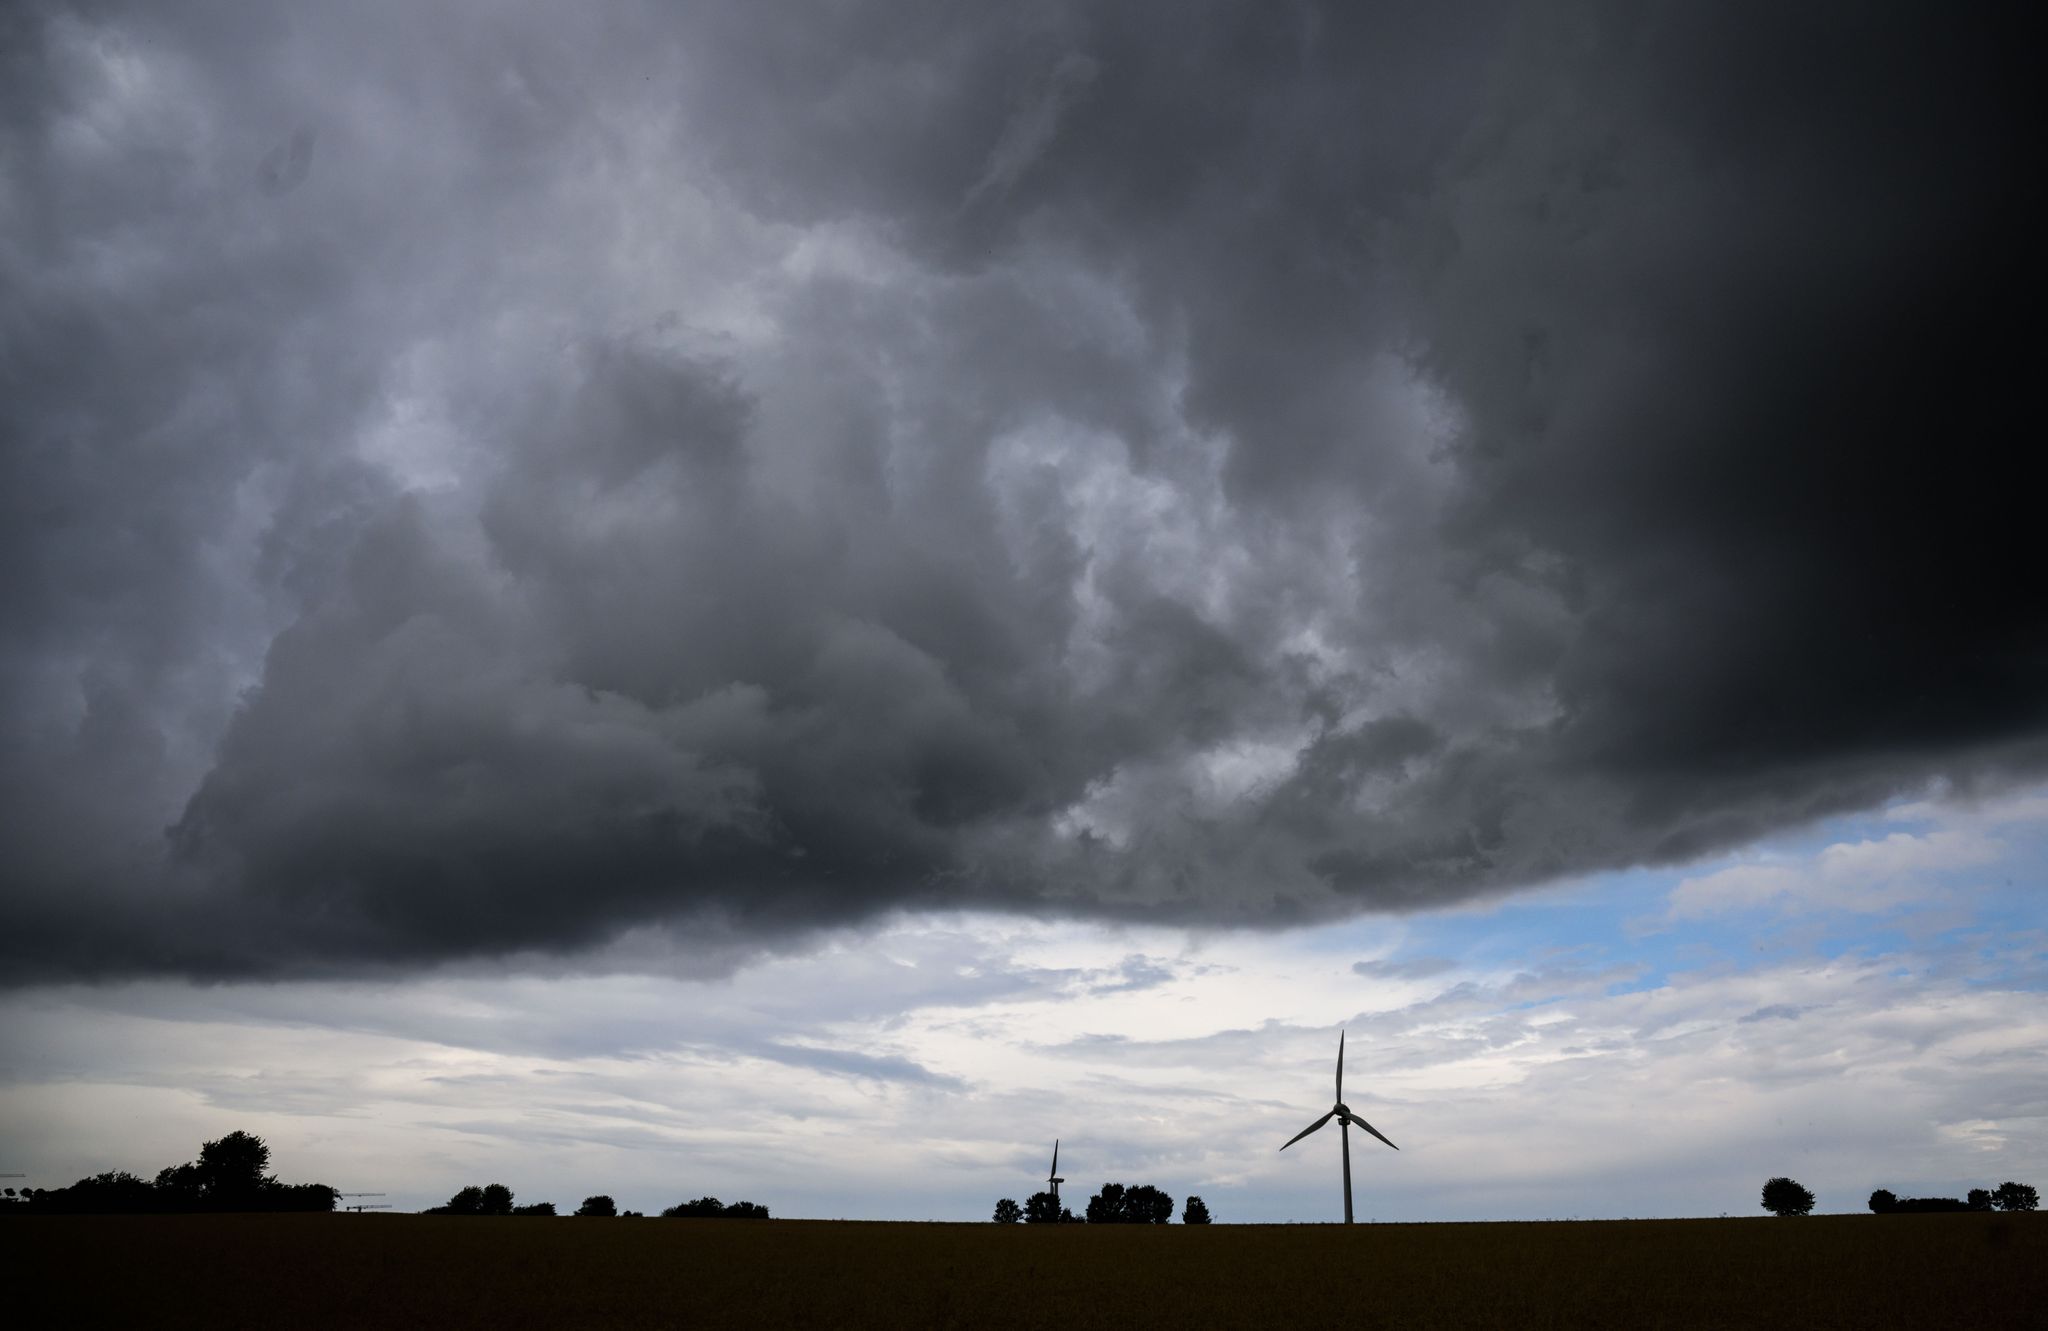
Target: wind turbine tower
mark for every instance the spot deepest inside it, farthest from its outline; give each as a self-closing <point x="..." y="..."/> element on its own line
<point x="1053" y="1176"/>
<point x="1345" y="1118"/>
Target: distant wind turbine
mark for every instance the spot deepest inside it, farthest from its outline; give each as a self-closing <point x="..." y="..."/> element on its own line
<point x="1342" y="1113"/>
<point x="1053" y="1177"/>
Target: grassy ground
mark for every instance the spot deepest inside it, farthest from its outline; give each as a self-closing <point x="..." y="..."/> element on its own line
<point x="1979" y="1271"/>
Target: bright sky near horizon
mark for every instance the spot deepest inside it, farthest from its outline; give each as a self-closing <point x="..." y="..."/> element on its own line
<point x="1859" y="1006"/>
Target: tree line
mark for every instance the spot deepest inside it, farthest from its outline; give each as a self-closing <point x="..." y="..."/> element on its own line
<point x="1114" y="1205"/>
<point x="2007" y="1196"/>
<point x="496" y="1199"/>
<point x="1784" y="1196"/>
<point x="231" y="1174"/>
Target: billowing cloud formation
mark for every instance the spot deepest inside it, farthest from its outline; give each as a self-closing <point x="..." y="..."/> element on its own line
<point x="481" y="480"/>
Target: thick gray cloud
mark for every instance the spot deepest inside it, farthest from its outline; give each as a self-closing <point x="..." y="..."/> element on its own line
<point x="479" y="480"/>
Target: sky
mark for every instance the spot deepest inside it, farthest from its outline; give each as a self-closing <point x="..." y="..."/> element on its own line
<point x="794" y="601"/>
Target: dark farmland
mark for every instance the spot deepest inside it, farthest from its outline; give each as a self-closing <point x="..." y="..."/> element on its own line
<point x="356" y="1270"/>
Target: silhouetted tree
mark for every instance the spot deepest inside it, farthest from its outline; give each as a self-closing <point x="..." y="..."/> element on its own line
<point x="1147" y="1205"/>
<point x="465" y="1203"/>
<point x="1782" y="1196"/>
<point x="1008" y="1212"/>
<point x="180" y="1187"/>
<point x="1041" y="1209"/>
<point x="231" y="1171"/>
<point x="1931" y="1205"/>
<point x="1978" y="1200"/>
<point x="1118" y="1205"/>
<point x="491" y="1199"/>
<point x="746" y="1211"/>
<point x="1883" y="1201"/>
<point x="2010" y="1196"/>
<point x="1196" y="1212"/>
<point x="535" y="1208"/>
<point x="598" y="1205"/>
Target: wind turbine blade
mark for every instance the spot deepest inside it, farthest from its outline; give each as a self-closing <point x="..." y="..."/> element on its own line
<point x="1310" y="1128"/>
<point x="1055" y="1157"/>
<point x="1373" y="1130"/>
<point x="1340" y="1067"/>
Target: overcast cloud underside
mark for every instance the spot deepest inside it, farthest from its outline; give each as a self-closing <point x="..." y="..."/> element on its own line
<point x="482" y="479"/>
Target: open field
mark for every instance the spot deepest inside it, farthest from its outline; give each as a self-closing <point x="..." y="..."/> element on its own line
<point x="354" y="1270"/>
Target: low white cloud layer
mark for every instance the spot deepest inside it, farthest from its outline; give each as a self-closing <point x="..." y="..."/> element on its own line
<point x="922" y="1071"/>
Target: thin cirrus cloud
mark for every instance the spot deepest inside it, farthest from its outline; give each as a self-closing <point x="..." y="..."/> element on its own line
<point x="491" y="486"/>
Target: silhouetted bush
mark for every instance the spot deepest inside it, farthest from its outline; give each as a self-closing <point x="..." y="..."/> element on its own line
<point x="710" y="1208"/>
<point x="598" y="1205"/>
<point x="2015" y="1197"/>
<point x="1196" y="1212"/>
<point x="1041" y="1208"/>
<point x="1883" y="1201"/>
<point x="537" y="1208"/>
<point x="1008" y="1212"/>
<point x="1783" y="1197"/>
<point x="1931" y="1205"/>
<point x="1118" y="1205"/>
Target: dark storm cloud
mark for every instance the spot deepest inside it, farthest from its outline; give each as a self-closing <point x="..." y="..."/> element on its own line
<point x="478" y="481"/>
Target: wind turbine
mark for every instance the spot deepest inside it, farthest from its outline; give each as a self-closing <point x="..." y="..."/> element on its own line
<point x="1054" y="1176"/>
<point x="1342" y="1113"/>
